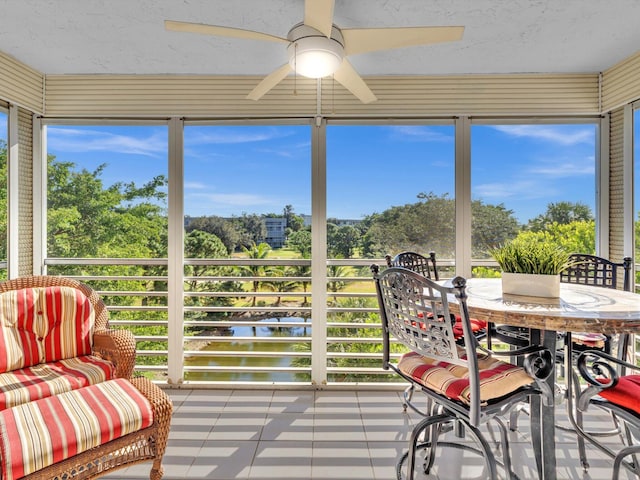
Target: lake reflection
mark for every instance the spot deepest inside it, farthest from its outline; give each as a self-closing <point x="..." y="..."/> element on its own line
<point x="248" y="361"/>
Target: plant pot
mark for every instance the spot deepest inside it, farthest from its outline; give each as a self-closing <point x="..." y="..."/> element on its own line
<point x="532" y="285"/>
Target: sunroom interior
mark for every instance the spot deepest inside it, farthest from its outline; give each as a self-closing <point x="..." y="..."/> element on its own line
<point x="329" y="408"/>
<point x="518" y="64"/>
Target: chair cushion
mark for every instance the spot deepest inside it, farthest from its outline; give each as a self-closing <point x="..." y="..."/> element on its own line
<point x="38" y="434"/>
<point x="44" y="324"/>
<point x="47" y="379"/>
<point x="626" y="393"/>
<point x="591" y="340"/>
<point x="476" y="326"/>
<point x="458" y="331"/>
<point x="497" y="378"/>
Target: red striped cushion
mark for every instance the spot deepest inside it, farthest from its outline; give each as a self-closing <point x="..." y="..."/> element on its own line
<point x="497" y="378"/>
<point x="39" y="325"/>
<point x="38" y="434"/>
<point x="46" y="379"/>
<point x="626" y="393"/>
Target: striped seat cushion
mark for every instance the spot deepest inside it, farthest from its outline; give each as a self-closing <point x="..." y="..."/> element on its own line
<point x="47" y="324"/>
<point x="497" y="378"/>
<point x="41" y="433"/>
<point x="47" y="379"/>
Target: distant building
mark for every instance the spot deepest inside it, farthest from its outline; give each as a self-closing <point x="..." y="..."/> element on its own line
<point x="275" y="226"/>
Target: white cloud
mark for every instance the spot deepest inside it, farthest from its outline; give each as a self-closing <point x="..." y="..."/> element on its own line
<point x="523" y="189"/>
<point x="194" y="186"/>
<point x="564" y="169"/>
<point x="418" y="133"/>
<point x="222" y="135"/>
<point x="80" y="140"/>
<point x="232" y="199"/>
<point x="549" y="133"/>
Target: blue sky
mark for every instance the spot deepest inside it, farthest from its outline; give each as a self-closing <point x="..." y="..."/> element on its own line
<point x="230" y="170"/>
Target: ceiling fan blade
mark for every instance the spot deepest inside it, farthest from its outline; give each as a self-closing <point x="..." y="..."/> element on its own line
<point x="319" y="15"/>
<point x="363" y="40"/>
<point x="222" y="31"/>
<point x="352" y="81"/>
<point x="269" y="82"/>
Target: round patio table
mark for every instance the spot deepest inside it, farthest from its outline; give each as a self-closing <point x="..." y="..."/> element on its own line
<point x="580" y="308"/>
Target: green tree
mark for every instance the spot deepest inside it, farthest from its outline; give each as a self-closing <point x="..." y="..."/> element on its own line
<point x="227" y="231"/>
<point x="574" y="237"/>
<point x="429" y="225"/>
<point x="342" y="241"/>
<point x="300" y="241"/>
<point x="256" y="252"/>
<point x="562" y="213"/>
<point x="252" y="229"/>
<point x="87" y="219"/>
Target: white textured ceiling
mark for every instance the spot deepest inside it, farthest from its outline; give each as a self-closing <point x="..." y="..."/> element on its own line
<point x="503" y="36"/>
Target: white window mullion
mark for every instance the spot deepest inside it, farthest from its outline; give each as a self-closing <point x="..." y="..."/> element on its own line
<point x="13" y="195"/>
<point x="319" y="253"/>
<point x="176" y="252"/>
<point x="463" y="197"/>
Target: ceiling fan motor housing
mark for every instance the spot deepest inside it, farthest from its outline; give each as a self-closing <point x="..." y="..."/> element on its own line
<point x="312" y="54"/>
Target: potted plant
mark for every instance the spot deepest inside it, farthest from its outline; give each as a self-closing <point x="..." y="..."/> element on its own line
<point x="531" y="267"/>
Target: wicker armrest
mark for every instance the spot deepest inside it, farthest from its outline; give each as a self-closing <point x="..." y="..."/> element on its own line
<point x="162" y="411"/>
<point x="119" y="347"/>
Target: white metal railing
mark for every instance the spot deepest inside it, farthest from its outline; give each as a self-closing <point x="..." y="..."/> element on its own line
<point x="236" y="335"/>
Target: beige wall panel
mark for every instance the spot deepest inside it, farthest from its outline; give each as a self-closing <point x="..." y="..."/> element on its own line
<point x="469" y="95"/>
<point x="616" y="173"/>
<point x="20" y="84"/>
<point x="225" y="96"/>
<point x="131" y="96"/>
<point x="621" y="83"/>
<point x="25" y="194"/>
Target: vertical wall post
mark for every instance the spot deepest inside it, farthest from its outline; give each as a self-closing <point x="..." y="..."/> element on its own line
<point x="627" y="166"/>
<point x="463" y="196"/>
<point x="176" y="252"/>
<point x="603" y="175"/>
<point x="13" y="194"/>
<point x="319" y="252"/>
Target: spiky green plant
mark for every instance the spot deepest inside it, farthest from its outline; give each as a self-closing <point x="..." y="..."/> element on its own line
<point x="531" y="256"/>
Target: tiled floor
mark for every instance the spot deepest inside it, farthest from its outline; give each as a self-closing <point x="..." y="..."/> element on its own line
<point x="321" y="435"/>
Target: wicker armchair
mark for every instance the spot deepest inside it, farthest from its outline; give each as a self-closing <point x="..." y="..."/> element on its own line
<point x="148" y="441"/>
<point x="117" y="346"/>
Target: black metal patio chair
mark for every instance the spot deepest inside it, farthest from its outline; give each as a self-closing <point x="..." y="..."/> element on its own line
<point x="466" y="384"/>
<point x="613" y="390"/>
<point x="427" y="267"/>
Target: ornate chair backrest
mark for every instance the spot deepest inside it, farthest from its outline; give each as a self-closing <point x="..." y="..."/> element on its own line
<point x="415" y="311"/>
<point x="425" y="266"/>
<point x="588" y="269"/>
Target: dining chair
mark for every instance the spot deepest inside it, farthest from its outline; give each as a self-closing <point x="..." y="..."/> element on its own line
<point x="610" y="388"/>
<point x="427" y="267"/>
<point x="467" y="385"/>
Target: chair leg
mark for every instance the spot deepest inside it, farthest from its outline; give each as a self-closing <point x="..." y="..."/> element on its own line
<point x="506" y="452"/>
<point x="413" y="443"/>
<point x="579" y="420"/>
<point x="619" y="458"/>
<point x="489" y="457"/>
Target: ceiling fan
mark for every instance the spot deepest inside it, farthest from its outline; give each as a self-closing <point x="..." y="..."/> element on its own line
<point x="317" y="48"/>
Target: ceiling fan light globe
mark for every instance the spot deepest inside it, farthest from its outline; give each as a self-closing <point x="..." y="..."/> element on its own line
<point x="315" y="57"/>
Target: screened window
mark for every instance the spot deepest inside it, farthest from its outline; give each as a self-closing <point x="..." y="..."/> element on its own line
<point x="533" y="179"/>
